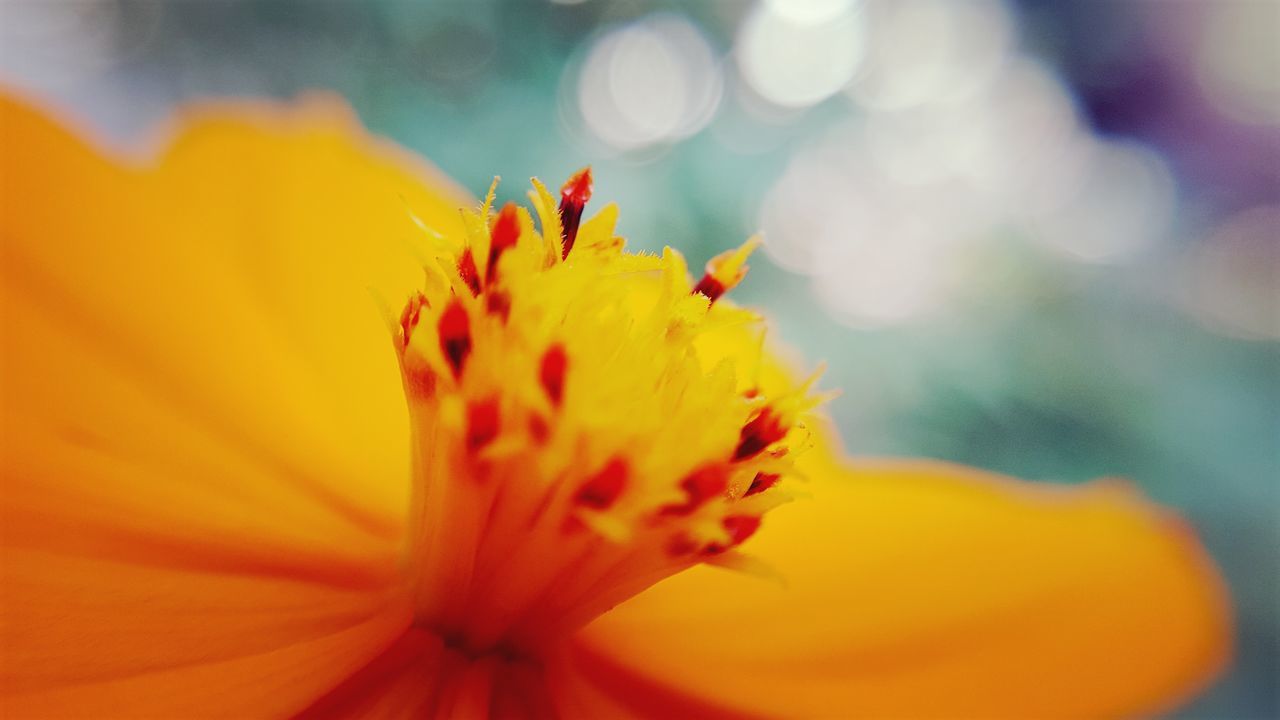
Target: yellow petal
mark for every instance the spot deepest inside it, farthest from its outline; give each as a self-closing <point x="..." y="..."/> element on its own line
<point x="929" y="590"/>
<point x="204" y="462"/>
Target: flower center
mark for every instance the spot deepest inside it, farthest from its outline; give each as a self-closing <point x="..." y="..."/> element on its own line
<point x="585" y="422"/>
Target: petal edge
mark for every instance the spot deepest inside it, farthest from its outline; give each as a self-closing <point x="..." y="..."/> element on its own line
<point x="958" y="593"/>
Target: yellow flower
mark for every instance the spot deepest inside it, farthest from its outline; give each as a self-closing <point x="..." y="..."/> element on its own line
<point x="233" y="488"/>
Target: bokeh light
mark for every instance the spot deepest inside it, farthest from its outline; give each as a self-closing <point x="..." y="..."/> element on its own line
<point x="1121" y="205"/>
<point x="1237" y="58"/>
<point x="1231" y="282"/>
<point x="796" y="55"/>
<point x="654" y="81"/>
<point x="58" y="44"/>
<point x="929" y="51"/>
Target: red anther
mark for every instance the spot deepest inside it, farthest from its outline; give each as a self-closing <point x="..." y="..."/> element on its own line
<point x="602" y="489"/>
<point x="506" y="231"/>
<point x="482" y="423"/>
<point x="710" y="287"/>
<point x="761" y="482"/>
<point x="554" y="363"/>
<point x="539" y="429"/>
<point x="739" y="527"/>
<point x="499" y="303"/>
<point x="725" y="271"/>
<point x="705" y="483"/>
<point x="573" y="198"/>
<point x="680" y="544"/>
<point x="455" y="336"/>
<point x="409" y="317"/>
<point x="763" y="430"/>
<point x="467" y="271"/>
<point x="699" y="486"/>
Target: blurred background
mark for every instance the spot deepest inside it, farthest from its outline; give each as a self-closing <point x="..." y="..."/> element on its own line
<point x="1037" y="237"/>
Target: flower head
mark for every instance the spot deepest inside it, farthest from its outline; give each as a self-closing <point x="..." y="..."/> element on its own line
<point x="580" y="427"/>
<point x="227" y="494"/>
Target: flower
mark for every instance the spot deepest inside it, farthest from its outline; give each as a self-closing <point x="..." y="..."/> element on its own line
<point x="233" y="488"/>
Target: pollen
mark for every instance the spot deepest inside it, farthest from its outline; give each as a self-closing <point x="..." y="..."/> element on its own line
<point x="586" y="421"/>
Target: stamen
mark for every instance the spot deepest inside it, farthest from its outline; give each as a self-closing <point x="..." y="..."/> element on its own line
<point x="573" y="198"/>
<point x="554" y="363"/>
<point x="455" y="336"/>
<point x="699" y="486"/>
<point x="482" y="423"/>
<point x="603" y="488"/>
<point x="506" y="231"/>
<point x="468" y="272"/>
<point x="739" y="527"/>
<point x="539" y="430"/>
<point x="498" y="303"/>
<point x="680" y="544"/>
<point x="710" y="287"/>
<point x="725" y="271"/>
<point x="409" y="317"/>
<point x="765" y="429"/>
<point x="761" y="482"/>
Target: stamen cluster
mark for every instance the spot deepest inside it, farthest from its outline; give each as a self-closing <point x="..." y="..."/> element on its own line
<point x="586" y="421"/>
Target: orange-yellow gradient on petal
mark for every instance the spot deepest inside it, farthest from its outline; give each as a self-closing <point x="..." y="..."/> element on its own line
<point x="204" y="437"/>
<point x="921" y="589"/>
<point x="205" y="458"/>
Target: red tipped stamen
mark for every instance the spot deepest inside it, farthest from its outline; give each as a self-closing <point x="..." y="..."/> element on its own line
<point x="455" y="336"/>
<point x="554" y="363"/>
<point x="725" y="271"/>
<point x="499" y="303"/>
<point x="681" y="544"/>
<point x="506" y="231"/>
<point x="764" y="430"/>
<point x="409" y="317"/>
<point x="539" y="430"/>
<point x="699" y="486"/>
<point x="602" y="489"/>
<point x="739" y="527"/>
<point x="761" y="482"/>
<point x="573" y="198"/>
<point x="705" y="484"/>
<point x="482" y="424"/>
<point x="468" y="272"/>
<point x="710" y="287"/>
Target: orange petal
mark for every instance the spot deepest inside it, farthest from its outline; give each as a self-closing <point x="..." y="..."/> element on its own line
<point x="589" y="682"/>
<point x="419" y="676"/>
<point x="919" y="589"/>
<point x="88" y="637"/>
<point x="234" y="277"/>
<point x="204" y="460"/>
